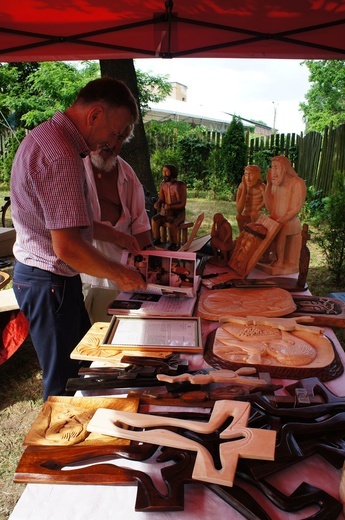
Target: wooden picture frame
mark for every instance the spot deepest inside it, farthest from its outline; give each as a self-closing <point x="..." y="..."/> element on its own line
<point x="154" y="333"/>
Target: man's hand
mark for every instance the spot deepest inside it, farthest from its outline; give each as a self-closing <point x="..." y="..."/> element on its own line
<point x="129" y="280"/>
<point x="128" y="242"/>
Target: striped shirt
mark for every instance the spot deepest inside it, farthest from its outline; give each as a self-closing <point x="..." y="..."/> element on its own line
<point x="49" y="191"/>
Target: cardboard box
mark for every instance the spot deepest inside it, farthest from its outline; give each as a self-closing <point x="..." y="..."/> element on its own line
<point x="7" y="239"/>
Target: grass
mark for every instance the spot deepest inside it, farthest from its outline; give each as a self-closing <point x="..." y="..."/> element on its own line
<point x="20" y="376"/>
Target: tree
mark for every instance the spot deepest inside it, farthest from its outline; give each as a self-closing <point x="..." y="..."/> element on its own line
<point x="34" y="94"/>
<point x="234" y="152"/>
<point x="326" y="96"/>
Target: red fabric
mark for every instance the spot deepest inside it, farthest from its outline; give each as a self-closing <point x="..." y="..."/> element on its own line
<point x="14" y="330"/>
<point x="106" y="29"/>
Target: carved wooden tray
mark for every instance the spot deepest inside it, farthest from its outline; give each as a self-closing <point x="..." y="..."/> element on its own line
<point x="283" y="350"/>
<point x="217" y="305"/>
<point x="62" y="421"/>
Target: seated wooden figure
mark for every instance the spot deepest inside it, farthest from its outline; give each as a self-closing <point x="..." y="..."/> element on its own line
<point x="284" y="197"/>
<point x="171" y="207"/>
<point x="221" y="240"/>
<point x="250" y="196"/>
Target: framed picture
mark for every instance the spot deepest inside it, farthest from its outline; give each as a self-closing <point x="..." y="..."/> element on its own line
<point x="150" y="333"/>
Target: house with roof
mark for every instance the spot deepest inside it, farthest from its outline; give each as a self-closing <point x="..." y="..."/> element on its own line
<point x="176" y="107"/>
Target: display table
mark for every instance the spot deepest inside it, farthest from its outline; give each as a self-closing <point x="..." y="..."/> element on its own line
<point x="109" y="502"/>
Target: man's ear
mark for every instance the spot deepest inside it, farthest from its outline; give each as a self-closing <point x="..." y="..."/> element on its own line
<point x="94" y="113"/>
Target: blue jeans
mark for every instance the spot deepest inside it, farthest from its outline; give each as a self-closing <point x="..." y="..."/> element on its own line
<point x="54" y="306"/>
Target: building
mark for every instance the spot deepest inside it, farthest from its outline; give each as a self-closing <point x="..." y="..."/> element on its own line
<point x="176" y="107"/>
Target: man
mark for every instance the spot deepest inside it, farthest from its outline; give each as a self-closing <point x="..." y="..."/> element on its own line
<point x="117" y="198"/>
<point x="53" y="221"/>
<point x="250" y="196"/>
<point x="171" y="206"/>
<point x="284" y="197"/>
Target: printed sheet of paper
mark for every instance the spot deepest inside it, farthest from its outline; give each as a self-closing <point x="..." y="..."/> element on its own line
<point x="174" y="333"/>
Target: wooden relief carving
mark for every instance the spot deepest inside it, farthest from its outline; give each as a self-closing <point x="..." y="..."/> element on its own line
<point x="281" y="346"/>
<point x="219" y="304"/>
<point x="62" y="421"/>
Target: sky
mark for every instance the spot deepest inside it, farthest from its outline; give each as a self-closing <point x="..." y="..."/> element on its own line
<point x="262" y="90"/>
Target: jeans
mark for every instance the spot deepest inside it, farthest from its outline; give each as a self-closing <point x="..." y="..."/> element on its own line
<point x="54" y="306"/>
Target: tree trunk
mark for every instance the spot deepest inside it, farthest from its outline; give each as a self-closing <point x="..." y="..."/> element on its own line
<point x="136" y="152"/>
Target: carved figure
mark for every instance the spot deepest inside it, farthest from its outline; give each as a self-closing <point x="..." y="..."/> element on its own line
<point x="250" y="196"/>
<point x="171" y="207"/>
<point x="284" y="197"/>
<point x="221" y="240"/>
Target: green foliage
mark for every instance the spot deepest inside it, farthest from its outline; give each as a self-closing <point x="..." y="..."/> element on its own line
<point x="234" y="152"/>
<point x="194" y="152"/>
<point x="263" y="159"/>
<point x="166" y="134"/>
<point x="48" y="87"/>
<point x="330" y="225"/>
<point x="152" y="89"/>
<point x="313" y="206"/>
<point x="325" y="98"/>
<point x="11" y="144"/>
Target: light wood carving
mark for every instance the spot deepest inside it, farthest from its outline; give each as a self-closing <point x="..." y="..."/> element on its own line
<point x="272" y="341"/>
<point x="91" y="348"/>
<point x="220" y="304"/>
<point x="217" y="376"/>
<point x="243" y="441"/>
<point x="62" y="421"/>
<point x="252" y="243"/>
<point x="284" y="197"/>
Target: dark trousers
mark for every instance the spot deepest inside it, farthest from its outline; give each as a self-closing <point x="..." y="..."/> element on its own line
<point x="54" y="306"/>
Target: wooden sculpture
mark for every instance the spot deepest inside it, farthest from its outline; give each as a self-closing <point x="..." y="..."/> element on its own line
<point x="171" y="207"/>
<point x="217" y="305"/>
<point x="221" y="240"/>
<point x="250" y="196"/>
<point x="238" y="440"/>
<point x="284" y="197"/>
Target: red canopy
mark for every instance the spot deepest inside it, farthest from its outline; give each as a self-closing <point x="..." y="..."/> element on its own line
<point x="42" y="30"/>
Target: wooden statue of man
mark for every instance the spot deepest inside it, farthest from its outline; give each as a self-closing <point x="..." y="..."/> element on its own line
<point x="171" y="207"/>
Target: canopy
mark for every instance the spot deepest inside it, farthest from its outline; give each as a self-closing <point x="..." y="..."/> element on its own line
<point x="46" y="30"/>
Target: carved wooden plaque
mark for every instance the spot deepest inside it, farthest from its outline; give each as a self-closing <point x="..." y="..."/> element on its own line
<point x="62" y="421"/>
<point x="217" y="305"/>
<point x="285" y="352"/>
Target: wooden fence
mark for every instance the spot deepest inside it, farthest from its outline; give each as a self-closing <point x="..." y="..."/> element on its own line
<point x="316" y="157"/>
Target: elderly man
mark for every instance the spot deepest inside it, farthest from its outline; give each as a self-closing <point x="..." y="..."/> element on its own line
<point x="118" y="200"/>
<point x="54" y="224"/>
<point x="284" y="197"/>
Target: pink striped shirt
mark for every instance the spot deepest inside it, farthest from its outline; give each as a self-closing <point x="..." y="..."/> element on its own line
<point x="49" y="191"/>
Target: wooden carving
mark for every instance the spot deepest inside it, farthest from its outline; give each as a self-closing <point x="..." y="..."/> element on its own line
<point x="238" y="440"/>
<point x="91" y="347"/>
<point x="252" y="243"/>
<point x="281" y="346"/>
<point x="62" y="421"/>
<point x="219" y="304"/>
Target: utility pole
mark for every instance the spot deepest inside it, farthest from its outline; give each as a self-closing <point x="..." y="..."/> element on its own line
<point x="274" y="117"/>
